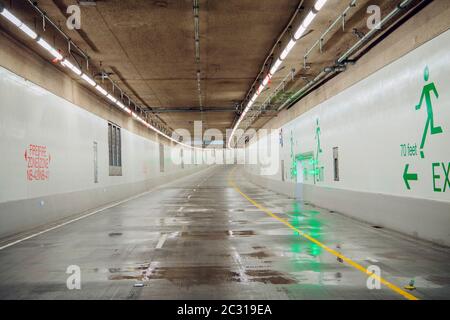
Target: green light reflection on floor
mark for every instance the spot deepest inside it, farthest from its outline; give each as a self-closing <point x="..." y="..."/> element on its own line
<point x="305" y="220"/>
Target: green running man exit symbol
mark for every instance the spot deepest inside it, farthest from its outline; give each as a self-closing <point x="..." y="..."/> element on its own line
<point x="426" y="93"/>
<point x="319" y="149"/>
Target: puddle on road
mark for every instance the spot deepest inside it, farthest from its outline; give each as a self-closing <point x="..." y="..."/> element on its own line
<point x="186" y="276"/>
<point x="258" y="254"/>
<point x="202" y="275"/>
<point x="270" y="276"/>
<point x="115" y="234"/>
<point x="243" y="233"/>
<point x="205" y="235"/>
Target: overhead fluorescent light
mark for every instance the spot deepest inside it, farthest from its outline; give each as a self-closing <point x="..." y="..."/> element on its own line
<point x="86" y="78"/>
<point x="64" y="62"/>
<point x="300" y="31"/>
<point x="44" y="44"/>
<point x="12" y="18"/>
<point x="17" y="22"/>
<point x="288" y="49"/>
<point x="275" y="66"/>
<point x="319" y="4"/>
<point x="309" y="18"/>
<point x="298" y="34"/>
<point x="120" y="105"/>
<point x="111" y="98"/>
<point x="69" y="65"/>
<point x="101" y="90"/>
<point x="260" y="89"/>
<point x="25" y="29"/>
<point x="267" y="79"/>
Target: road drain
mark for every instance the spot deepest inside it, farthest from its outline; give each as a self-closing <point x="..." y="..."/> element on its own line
<point x="115" y="234"/>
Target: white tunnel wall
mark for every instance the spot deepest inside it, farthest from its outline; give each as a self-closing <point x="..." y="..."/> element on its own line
<point x="369" y="122"/>
<point x="30" y="115"/>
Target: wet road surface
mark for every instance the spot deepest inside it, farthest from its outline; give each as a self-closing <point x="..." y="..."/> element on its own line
<point x="198" y="238"/>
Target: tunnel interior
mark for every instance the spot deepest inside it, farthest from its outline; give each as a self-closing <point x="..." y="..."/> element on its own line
<point x="225" y="150"/>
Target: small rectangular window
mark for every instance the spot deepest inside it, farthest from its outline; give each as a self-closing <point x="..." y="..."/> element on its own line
<point x="161" y="157"/>
<point x="182" y="158"/>
<point x="95" y="162"/>
<point x="110" y="143"/>
<point x="113" y="143"/>
<point x="118" y="147"/>
<point x="336" y="163"/>
<point x="115" y="150"/>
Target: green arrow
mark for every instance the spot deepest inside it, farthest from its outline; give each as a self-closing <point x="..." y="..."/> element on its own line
<point x="409" y="177"/>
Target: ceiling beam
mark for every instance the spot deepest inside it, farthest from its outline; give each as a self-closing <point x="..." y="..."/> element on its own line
<point x="192" y="109"/>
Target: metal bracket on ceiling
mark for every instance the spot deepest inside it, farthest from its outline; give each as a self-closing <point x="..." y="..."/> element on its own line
<point x="306" y="65"/>
<point x="336" y="68"/>
<point x="348" y="62"/>
<point x="104" y="75"/>
<point x="359" y="34"/>
<point x="344" y="60"/>
<point x="306" y="79"/>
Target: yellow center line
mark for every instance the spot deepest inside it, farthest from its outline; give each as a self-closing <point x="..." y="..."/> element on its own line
<point x="333" y="252"/>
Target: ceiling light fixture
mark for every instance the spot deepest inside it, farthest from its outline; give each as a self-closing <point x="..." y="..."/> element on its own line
<point x="101" y="90"/>
<point x="298" y="34"/>
<point x="275" y="67"/>
<point x="66" y="63"/>
<point x="19" y="24"/>
<point x="10" y="17"/>
<point x="25" y="29"/>
<point x="86" y="78"/>
<point x="44" y="44"/>
<point x="111" y="98"/>
<point x="288" y="49"/>
<point x="319" y="4"/>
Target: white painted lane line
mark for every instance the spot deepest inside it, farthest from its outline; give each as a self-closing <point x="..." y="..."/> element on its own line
<point x="161" y="241"/>
<point x="241" y="268"/>
<point x="81" y="217"/>
<point x="76" y="219"/>
<point x="149" y="271"/>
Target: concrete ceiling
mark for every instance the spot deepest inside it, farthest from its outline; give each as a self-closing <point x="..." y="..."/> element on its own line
<point x="337" y="42"/>
<point x="149" y="49"/>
